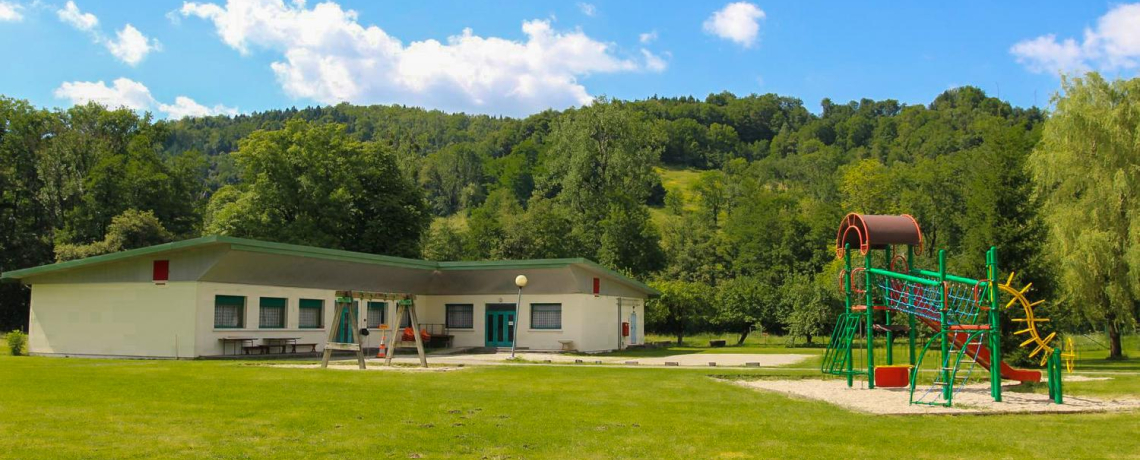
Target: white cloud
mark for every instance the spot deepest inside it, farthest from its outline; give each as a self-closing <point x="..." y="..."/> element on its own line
<point x="83" y="21"/>
<point x="10" y="12"/>
<point x="587" y="9"/>
<point x="123" y="93"/>
<point x="133" y="95"/>
<point x="647" y="37"/>
<point x="1045" y="54"/>
<point x="738" y="22"/>
<point x="131" y="46"/>
<point x="653" y="62"/>
<point x="329" y="57"/>
<point x="185" y="107"/>
<point x="1113" y="44"/>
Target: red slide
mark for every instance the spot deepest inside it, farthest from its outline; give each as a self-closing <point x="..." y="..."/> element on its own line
<point x="983" y="356"/>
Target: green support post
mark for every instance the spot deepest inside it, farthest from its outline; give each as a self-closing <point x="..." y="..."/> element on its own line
<point x="995" y="325"/>
<point x="870" y="320"/>
<point x="1055" y="377"/>
<point x="887" y="318"/>
<point x="947" y="388"/>
<point x="912" y="336"/>
<point x="847" y="300"/>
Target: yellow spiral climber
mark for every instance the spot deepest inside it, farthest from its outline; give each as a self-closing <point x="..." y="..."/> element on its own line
<point x="1040" y="344"/>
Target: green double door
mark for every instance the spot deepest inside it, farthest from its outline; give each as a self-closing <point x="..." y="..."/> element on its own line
<point x="346" y="333"/>
<point x="500" y="325"/>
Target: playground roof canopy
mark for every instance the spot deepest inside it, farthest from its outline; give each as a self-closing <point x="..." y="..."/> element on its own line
<point x="876" y="231"/>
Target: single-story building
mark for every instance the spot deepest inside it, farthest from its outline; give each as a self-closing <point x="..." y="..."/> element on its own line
<point x="194" y="298"/>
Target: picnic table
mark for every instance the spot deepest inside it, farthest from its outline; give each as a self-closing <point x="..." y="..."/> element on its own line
<point x="284" y="342"/>
<point x="239" y="343"/>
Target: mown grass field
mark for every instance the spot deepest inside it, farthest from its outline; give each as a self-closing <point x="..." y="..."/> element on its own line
<point x="78" y="408"/>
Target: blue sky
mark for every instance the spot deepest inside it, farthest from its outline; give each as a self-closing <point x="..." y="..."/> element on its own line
<point x="515" y="58"/>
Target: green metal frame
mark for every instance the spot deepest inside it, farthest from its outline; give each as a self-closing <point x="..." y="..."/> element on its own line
<point x="1055" y="367"/>
<point x="837" y="357"/>
<point x="948" y="374"/>
<point x="940" y="277"/>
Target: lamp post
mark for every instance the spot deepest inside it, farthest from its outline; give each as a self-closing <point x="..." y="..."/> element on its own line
<point x="520" y="281"/>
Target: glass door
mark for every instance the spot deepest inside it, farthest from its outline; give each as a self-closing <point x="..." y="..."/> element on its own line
<point x="500" y="325"/>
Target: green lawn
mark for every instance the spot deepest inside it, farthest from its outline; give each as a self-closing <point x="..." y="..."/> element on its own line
<point x="76" y="408"/>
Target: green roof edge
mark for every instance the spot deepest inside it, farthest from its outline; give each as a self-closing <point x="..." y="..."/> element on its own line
<point x="112" y="257"/>
<point x="244" y="244"/>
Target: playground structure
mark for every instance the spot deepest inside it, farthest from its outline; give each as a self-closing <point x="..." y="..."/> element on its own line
<point x="344" y="336"/>
<point x="964" y="313"/>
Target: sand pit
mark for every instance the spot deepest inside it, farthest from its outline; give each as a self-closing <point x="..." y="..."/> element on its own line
<point x="973" y="399"/>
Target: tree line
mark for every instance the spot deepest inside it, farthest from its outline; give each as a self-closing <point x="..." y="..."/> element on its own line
<point x="739" y="240"/>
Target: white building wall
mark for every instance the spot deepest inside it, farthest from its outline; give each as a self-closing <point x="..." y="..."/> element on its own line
<point x="177" y="320"/>
<point x="573" y="317"/>
<point x="135" y="319"/>
<point x="209" y="341"/>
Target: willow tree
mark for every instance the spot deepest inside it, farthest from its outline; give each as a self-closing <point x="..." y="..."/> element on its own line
<point x="1087" y="168"/>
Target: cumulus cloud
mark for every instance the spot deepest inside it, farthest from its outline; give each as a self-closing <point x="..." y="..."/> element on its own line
<point x="738" y="22"/>
<point x="653" y="62"/>
<point x="647" y="37"/>
<point x="83" y="21"/>
<point x="123" y="93"/>
<point x="10" y="12"/>
<point x="129" y="45"/>
<point x="1113" y="44"/>
<point x="587" y="9"/>
<point x="326" y="55"/>
<point x="133" y="95"/>
<point x="185" y="107"/>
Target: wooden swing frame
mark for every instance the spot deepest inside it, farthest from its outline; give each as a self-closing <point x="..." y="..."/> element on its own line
<point x="344" y="299"/>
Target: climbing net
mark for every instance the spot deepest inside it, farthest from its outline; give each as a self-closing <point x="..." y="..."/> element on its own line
<point x="964" y="301"/>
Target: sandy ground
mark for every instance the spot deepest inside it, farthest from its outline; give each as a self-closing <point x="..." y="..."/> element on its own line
<point x="973" y="399"/>
<point x="728" y="359"/>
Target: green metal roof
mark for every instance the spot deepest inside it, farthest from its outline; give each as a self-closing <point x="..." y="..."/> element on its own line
<point x="243" y="244"/>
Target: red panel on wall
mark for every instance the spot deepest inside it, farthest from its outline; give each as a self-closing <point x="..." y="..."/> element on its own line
<point x="161" y="271"/>
<point x="597" y="286"/>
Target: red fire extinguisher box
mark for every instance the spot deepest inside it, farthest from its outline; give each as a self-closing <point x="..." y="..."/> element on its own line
<point x="624" y="329"/>
<point x="892" y="376"/>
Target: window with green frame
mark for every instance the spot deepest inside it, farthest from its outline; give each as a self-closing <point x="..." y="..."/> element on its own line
<point x="377" y="313"/>
<point x="546" y="316"/>
<point x="272" y="314"/>
<point x="459" y="316"/>
<point x="229" y="311"/>
<point x="312" y="314"/>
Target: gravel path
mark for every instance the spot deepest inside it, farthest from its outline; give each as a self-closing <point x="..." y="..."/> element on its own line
<point x="973" y="399"/>
<point x="689" y="360"/>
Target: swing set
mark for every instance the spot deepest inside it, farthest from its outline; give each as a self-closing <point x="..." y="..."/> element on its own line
<point x="344" y="336"/>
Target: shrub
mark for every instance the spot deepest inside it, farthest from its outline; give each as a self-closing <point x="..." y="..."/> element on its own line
<point x="17" y="342"/>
